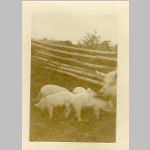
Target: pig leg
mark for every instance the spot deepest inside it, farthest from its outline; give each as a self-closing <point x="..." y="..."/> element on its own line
<point x="50" y="111"/>
<point x="78" y="113"/>
<point x="96" y="111"/>
<point x="67" y="109"/>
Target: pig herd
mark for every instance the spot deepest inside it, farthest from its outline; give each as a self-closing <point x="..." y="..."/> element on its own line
<point x="53" y="96"/>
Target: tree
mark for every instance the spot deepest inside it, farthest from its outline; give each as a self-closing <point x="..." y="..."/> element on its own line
<point x="90" y="40"/>
<point x="105" y="46"/>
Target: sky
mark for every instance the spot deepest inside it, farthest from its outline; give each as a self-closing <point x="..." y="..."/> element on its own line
<point x="72" y="22"/>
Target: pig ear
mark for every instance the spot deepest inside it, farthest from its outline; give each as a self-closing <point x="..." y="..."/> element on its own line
<point x="90" y="90"/>
<point x="113" y="74"/>
<point x="37" y="105"/>
<point x="100" y="75"/>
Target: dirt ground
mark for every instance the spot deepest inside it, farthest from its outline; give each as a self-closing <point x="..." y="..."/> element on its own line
<point x="66" y="130"/>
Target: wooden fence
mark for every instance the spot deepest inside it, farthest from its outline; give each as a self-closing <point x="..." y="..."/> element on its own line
<point x="76" y="62"/>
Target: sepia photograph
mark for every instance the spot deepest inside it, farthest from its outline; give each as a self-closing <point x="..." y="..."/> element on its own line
<point x="72" y="55"/>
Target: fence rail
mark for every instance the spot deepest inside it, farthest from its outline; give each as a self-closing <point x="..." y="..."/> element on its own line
<point x="74" y="49"/>
<point x="76" y="62"/>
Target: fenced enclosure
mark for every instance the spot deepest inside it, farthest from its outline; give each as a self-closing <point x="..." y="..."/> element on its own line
<point x="69" y="67"/>
<point x="76" y="62"/>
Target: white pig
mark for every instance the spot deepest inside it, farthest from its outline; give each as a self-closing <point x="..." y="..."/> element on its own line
<point x="109" y="85"/>
<point x="90" y="100"/>
<point x="55" y="100"/>
<point x="78" y="90"/>
<point x="50" y="89"/>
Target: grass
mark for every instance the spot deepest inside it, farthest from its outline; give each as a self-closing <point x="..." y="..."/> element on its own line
<point x="66" y="130"/>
